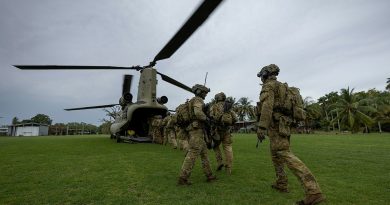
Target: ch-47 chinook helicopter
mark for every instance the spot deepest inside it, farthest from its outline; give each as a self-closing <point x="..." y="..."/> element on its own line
<point x="133" y="123"/>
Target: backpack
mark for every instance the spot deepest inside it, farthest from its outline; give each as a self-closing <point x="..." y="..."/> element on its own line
<point x="291" y="102"/>
<point x="183" y="114"/>
<point x="227" y="118"/>
<point x="218" y="114"/>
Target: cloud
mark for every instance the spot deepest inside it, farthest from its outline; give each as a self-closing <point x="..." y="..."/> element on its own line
<point x="319" y="46"/>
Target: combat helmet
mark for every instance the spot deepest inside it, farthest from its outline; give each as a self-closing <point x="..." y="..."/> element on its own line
<point x="200" y="90"/>
<point x="220" y="97"/>
<point x="268" y="70"/>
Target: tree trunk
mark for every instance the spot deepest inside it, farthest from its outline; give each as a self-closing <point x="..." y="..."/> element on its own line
<point x="327" y="119"/>
<point x="333" y="122"/>
<point x="379" y="126"/>
<point x="366" y="128"/>
<point x="338" y="121"/>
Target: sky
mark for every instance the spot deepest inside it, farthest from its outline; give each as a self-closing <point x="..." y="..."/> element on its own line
<point x="320" y="47"/>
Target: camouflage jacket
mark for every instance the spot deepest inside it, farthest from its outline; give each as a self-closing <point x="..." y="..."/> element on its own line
<point x="165" y="121"/>
<point x="197" y="112"/>
<point x="269" y="96"/>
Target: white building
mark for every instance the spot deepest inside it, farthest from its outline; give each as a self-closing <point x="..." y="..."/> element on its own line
<point x="3" y="130"/>
<point x="28" y="129"/>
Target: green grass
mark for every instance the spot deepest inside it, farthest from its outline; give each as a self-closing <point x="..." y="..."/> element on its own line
<point x="351" y="169"/>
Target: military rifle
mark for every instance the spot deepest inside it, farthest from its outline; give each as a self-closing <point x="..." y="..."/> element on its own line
<point x="258" y="113"/>
<point x="207" y="128"/>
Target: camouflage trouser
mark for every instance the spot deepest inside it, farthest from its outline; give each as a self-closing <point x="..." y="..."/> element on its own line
<point x="281" y="156"/>
<point x="169" y="137"/>
<point x="182" y="138"/>
<point x="197" y="147"/>
<point x="226" y="139"/>
<point x="157" y="136"/>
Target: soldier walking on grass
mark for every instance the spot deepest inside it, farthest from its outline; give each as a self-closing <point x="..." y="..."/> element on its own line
<point x="169" y="132"/>
<point x="276" y="116"/>
<point x="156" y="129"/>
<point x="223" y="118"/>
<point x="197" y="145"/>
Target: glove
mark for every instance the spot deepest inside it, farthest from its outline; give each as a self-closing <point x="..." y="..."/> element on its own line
<point x="261" y="134"/>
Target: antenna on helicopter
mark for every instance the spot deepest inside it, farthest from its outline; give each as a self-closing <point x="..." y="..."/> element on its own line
<point x="205" y="79"/>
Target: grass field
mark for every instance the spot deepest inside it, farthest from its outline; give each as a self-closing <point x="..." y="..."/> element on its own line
<point x="351" y="169"/>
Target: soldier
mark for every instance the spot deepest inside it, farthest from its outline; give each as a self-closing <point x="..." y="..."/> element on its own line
<point x="223" y="117"/>
<point x="156" y="129"/>
<point x="164" y="123"/>
<point x="197" y="145"/>
<point x="169" y="132"/>
<point x="273" y="120"/>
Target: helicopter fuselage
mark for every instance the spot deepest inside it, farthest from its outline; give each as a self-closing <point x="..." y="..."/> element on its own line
<point x="136" y="116"/>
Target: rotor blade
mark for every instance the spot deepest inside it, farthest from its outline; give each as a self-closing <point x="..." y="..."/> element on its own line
<point x="189" y="27"/>
<point x="126" y="86"/>
<point x="174" y="82"/>
<point x="73" y="67"/>
<point x="91" y="107"/>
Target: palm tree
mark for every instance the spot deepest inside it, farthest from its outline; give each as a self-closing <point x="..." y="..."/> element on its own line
<point x="244" y="109"/>
<point x="352" y="110"/>
<point x="381" y="102"/>
<point x="388" y="84"/>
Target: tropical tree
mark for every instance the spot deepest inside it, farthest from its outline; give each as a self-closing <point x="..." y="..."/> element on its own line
<point x="326" y="102"/>
<point x="57" y="129"/>
<point x="42" y="119"/>
<point x="15" y="121"/>
<point x="381" y="102"/>
<point x="105" y="127"/>
<point x="112" y="113"/>
<point x="244" y="109"/>
<point x="313" y="112"/>
<point x="352" y="110"/>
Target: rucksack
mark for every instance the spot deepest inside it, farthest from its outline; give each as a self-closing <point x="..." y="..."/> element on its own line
<point x="183" y="114"/>
<point x="218" y="114"/>
<point x="291" y="102"/>
<point x="227" y="118"/>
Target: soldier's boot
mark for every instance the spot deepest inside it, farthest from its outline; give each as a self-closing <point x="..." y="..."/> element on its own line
<point x="183" y="181"/>
<point x="219" y="168"/>
<point x="312" y="199"/>
<point x="211" y="178"/>
<point x="279" y="188"/>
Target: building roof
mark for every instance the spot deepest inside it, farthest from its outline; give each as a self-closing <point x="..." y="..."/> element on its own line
<point x="31" y="124"/>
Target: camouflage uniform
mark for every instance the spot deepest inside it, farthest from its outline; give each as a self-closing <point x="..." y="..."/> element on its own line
<point x="169" y="132"/>
<point x="223" y="132"/>
<point x="182" y="138"/>
<point x="270" y="120"/>
<point x="156" y="130"/>
<point x="197" y="145"/>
